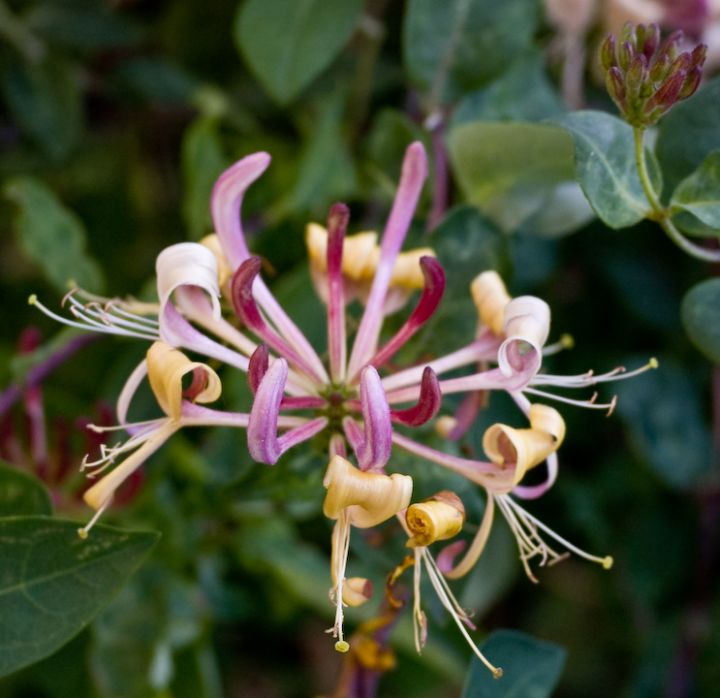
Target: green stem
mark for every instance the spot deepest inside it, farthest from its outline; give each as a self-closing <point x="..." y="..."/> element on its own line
<point x="660" y="213"/>
<point x="652" y="196"/>
<point x="686" y="246"/>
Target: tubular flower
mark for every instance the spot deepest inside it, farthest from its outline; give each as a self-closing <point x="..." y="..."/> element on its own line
<point x="352" y="397"/>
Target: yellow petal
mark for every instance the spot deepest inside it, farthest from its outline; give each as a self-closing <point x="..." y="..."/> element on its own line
<point x="490" y="297"/>
<point x="166" y="368"/>
<point x="438" y="518"/>
<point x="525" y="448"/>
<point x="478" y="544"/>
<point x="370" y="498"/>
<point x="212" y="242"/>
<point x="406" y="270"/>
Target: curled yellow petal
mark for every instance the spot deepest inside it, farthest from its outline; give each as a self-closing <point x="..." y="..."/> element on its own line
<point x="166" y="368"/>
<point x="527" y="318"/>
<point x="490" y="297"/>
<point x="370" y="498"/>
<point x="525" y="448"/>
<point x="212" y="242"/>
<point x="356" y="591"/>
<point x="437" y="518"/>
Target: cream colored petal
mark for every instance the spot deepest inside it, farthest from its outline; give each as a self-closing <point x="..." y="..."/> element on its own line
<point x="166" y="368"/>
<point x="490" y="297"/>
<point x="370" y="498"/>
<point x="525" y="448"/>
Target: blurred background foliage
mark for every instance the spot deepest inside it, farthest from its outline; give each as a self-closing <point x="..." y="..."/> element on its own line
<point x="115" y="120"/>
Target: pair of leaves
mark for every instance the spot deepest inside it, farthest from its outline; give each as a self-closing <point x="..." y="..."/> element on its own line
<point x="607" y="171"/>
<point x="52" y="583"/>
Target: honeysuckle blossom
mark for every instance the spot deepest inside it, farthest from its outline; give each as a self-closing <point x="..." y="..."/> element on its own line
<point x="354" y="398"/>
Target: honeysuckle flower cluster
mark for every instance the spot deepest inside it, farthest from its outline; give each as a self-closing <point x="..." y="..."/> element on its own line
<point x="644" y="78"/>
<point x="355" y="399"/>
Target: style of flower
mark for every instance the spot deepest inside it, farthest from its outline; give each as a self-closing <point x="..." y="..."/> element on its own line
<point x="348" y="399"/>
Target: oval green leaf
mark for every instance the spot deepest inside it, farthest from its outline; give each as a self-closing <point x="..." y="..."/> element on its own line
<point x="605" y="166"/>
<point x="289" y="42"/>
<point x="531" y="667"/>
<point x="52" y="235"/>
<point x="45" y="100"/>
<point x="700" y="314"/>
<point x="52" y="583"/>
<point x="700" y="192"/>
<point x="456" y="46"/>
<point x="21" y="494"/>
<point x="689" y="132"/>
<point x="510" y="170"/>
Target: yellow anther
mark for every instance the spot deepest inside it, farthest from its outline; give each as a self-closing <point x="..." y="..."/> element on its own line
<point x="32" y="300"/>
<point x="342" y="646"/>
<point x="607" y="563"/>
<point x="653" y="363"/>
<point x="444" y="425"/>
<point x="567" y="340"/>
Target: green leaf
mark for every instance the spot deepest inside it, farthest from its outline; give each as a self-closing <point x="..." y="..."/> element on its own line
<point x="52" y="583"/>
<point x="52" y="235"/>
<point x="135" y="636"/>
<point x="157" y="81"/>
<point x="82" y="28"/>
<point x="21" y="494"/>
<point x="46" y="102"/>
<point x="456" y="46"/>
<point x="664" y="414"/>
<point x="605" y="166"/>
<point x="699" y="193"/>
<point x="531" y="667"/>
<point x="693" y="226"/>
<point x="326" y="172"/>
<point x="688" y="133"/>
<point x="700" y="314"/>
<point x="523" y="93"/>
<point x="509" y="170"/>
<point x="203" y="162"/>
<point x="287" y="43"/>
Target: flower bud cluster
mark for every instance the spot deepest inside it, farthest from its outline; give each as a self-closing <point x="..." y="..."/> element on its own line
<point x="644" y="78"/>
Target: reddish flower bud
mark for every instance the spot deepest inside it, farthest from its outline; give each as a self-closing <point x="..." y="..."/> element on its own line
<point x="625" y="56"/>
<point x="616" y="87"/>
<point x="692" y="82"/>
<point x="650" y="41"/>
<point x="608" y="58"/>
<point x="670" y="46"/>
<point x="667" y="95"/>
<point x="682" y="62"/>
<point x="636" y="75"/>
<point x="628" y="34"/>
<point x="699" y="55"/>
<point x="660" y="68"/>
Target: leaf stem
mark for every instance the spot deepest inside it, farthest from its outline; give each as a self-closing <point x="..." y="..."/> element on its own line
<point x="662" y="214"/>
<point x="652" y="196"/>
